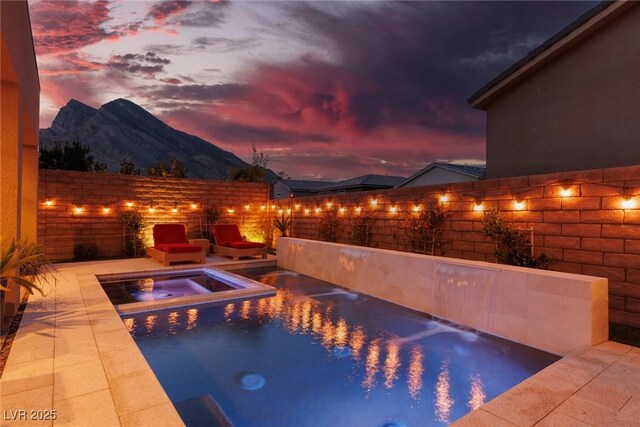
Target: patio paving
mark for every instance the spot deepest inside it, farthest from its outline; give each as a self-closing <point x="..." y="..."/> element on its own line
<point x="72" y="354"/>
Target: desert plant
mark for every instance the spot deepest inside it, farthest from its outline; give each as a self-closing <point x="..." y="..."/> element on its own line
<point x="209" y="217"/>
<point x="283" y="224"/>
<point x="360" y="233"/>
<point x="425" y="232"/>
<point x="133" y="224"/>
<point x="24" y="263"/>
<point x="84" y="251"/>
<point x="328" y="227"/>
<point x="512" y="247"/>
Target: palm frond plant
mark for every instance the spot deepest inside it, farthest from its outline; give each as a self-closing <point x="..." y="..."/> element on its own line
<point x="282" y="224"/>
<point x="25" y="264"/>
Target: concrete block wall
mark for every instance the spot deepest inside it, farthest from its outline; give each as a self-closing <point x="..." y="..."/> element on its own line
<point x="61" y="227"/>
<point x="587" y="221"/>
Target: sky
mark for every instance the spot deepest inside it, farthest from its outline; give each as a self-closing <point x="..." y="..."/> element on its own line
<point x="328" y="90"/>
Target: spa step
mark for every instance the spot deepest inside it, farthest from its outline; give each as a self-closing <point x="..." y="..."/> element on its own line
<point x="202" y="411"/>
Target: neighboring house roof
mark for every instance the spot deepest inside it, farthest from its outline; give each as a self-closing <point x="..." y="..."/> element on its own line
<point x="472" y="171"/>
<point x="368" y="181"/>
<point x="569" y="36"/>
<point x="301" y="185"/>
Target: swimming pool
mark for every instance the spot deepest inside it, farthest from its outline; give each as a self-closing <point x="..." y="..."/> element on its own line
<point x="318" y="355"/>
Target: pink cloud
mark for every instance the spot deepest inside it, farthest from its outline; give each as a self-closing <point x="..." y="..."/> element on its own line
<point x="61" y="26"/>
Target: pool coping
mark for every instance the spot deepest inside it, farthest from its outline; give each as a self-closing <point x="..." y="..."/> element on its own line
<point x="73" y="354"/>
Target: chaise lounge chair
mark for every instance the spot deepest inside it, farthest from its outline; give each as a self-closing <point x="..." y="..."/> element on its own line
<point x="170" y="244"/>
<point x="229" y="242"/>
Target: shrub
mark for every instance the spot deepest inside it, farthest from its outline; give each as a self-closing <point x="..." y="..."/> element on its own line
<point x="426" y="230"/>
<point x="360" y="233"/>
<point x="133" y="225"/>
<point x="328" y="227"/>
<point x="512" y="247"/>
<point x="84" y="251"/>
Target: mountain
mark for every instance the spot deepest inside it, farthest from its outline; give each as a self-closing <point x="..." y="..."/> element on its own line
<point x="122" y="129"/>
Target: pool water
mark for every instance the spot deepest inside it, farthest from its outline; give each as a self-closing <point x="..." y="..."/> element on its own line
<point x="319" y="355"/>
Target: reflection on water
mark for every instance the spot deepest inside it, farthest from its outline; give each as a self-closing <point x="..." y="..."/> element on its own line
<point x="373" y="365"/>
<point x="477" y="395"/>
<point x="391" y="364"/>
<point x="444" y="402"/>
<point x="150" y="322"/>
<point x="300" y="314"/>
<point x="172" y="320"/>
<point x="416" y="369"/>
<point x="228" y="311"/>
<point x="192" y="318"/>
<point x="130" y="324"/>
<point x="358" y="339"/>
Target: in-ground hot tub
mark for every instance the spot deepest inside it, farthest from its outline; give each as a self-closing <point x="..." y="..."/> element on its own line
<point x="151" y="290"/>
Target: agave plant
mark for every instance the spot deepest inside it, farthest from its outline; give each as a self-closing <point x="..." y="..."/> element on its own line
<point x="25" y="264"/>
<point x="282" y="224"/>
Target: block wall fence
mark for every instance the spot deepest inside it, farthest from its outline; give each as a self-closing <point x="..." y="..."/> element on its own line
<point x="83" y="207"/>
<point x="587" y="221"/>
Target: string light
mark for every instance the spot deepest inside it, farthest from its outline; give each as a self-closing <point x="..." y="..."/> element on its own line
<point x="628" y="203"/>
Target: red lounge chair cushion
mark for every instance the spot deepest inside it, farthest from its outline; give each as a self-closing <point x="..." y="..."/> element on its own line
<point x="226" y="233"/>
<point x="178" y="248"/>
<point x="243" y="245"/>
<point x="169" y="233"/>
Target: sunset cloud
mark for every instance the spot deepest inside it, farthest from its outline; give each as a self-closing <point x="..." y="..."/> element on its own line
<point x="327" y="89"/>
<point x="61" y="26"/>
<point x="148" y="64"/>
<point x="164" y="9"/>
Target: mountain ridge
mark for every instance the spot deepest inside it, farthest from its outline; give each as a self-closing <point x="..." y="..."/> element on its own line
<point x="121" y="129"/>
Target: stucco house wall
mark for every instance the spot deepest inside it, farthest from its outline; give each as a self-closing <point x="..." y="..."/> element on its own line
<point x="19" y="112"/>
<point x="577" y="111"/>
